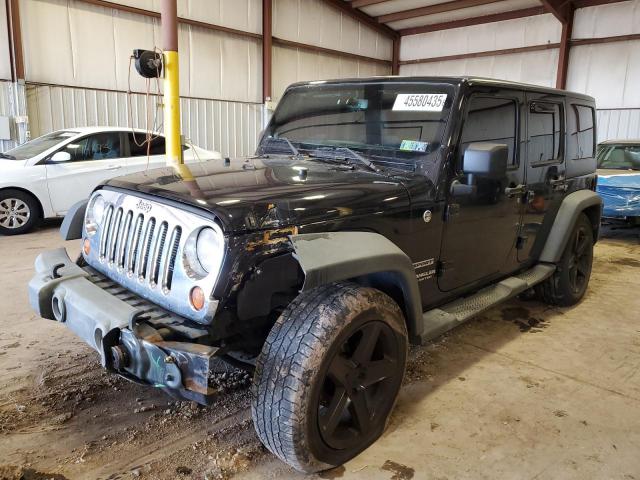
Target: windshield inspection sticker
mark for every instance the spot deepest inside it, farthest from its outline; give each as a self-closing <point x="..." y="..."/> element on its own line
<point x="419" y="102"/>
<point x="413" y="146"/>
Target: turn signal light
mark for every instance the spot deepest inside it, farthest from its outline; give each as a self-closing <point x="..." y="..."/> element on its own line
<point x="86" y="247"/>
<point x="196" y="296"/>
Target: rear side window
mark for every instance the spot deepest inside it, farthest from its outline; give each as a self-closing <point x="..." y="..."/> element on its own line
<point x="492" y="120"/>
<point x="545" y="132"/>
<point x="138" y="145"/>
<point x="581" y="132"/>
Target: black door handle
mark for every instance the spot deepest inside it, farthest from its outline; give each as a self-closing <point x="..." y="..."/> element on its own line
<point x="515" y="191"/>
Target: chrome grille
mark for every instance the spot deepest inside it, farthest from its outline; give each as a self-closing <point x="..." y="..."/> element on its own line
<point x="121" y="244"/>
<point x="141" y="249"/>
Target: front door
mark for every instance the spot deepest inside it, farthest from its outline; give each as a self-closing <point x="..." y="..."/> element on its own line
<point x="483" y="214"/>
<point x="94" y="159"/>
<point x="546" y="182"/>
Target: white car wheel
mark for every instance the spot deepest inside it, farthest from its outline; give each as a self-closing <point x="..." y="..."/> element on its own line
<point x="18" y="212"/>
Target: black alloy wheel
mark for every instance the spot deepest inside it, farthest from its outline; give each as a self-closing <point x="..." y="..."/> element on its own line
<point x="358" y="386"/>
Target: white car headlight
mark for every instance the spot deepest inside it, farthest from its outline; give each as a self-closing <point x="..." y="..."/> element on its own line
<point x="203" y="252"/>
<point x="94" y="214"/>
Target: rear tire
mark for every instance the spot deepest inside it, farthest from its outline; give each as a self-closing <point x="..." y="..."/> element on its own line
<point x="328" y="375"/>
<point x="569" y="282"/>
<point x="19" y="212"/>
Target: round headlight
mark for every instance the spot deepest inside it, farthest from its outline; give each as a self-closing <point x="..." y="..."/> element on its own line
<point x="208" y="249"/>
<point x="203" y="252"/>
<point x="95" y="212"/>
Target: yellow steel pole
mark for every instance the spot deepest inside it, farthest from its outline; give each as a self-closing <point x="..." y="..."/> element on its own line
<point x="169" y="30"/>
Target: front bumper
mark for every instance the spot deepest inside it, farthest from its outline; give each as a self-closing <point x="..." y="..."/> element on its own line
<point x="134" y="338"/>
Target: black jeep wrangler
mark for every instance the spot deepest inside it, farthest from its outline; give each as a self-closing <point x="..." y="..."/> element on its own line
<point x="376" y="212"/>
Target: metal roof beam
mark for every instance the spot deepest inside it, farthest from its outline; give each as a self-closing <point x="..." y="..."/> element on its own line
<point x="561" y="9"/>
<point x="467" y="22"/>
<point x="348" y="9"/>
<point x="431" y="9"/>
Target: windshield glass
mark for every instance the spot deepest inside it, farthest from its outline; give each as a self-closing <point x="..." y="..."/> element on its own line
<point x="392" y="124"/>
<point x="37" y="145"/>
<point x="619" y="157"/>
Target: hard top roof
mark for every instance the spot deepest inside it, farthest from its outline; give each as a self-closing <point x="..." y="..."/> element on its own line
<point x="469" y="80"/>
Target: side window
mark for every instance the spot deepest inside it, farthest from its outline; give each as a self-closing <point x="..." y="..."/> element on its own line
<point x="78" y="150"/>
<point x="491" y="119"/>
<point x="138" y="145"/>
<point x="545" y="132"/>
<point x="581" y="132"/>
<point x="103" y="146"/>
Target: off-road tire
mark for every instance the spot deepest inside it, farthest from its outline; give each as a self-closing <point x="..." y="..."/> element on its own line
<point x="569" y="282"/>
<point x="296" y="365"/>
<point x="26" y="201"/>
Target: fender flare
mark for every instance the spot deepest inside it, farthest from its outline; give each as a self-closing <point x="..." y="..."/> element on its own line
<point x="572" y="206"/>
<point x="362" y="257"/>
<point x="73" y="223"/>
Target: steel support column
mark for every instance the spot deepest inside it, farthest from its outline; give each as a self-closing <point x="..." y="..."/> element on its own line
<point x="267" y="45"/>
<point x="169" y="34"/>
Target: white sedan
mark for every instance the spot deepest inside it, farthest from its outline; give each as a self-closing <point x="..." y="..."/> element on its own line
<point x="44" y="177"/>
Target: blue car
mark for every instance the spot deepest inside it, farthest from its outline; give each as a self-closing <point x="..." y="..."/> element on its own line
<point x="619" y="179"/>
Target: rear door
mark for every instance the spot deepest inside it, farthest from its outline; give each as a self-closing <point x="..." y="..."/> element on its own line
<point x="482" y="220"/>
<point x="144" y="155"/>
<point x="94" y="158"/>
<point x="546" y="171"/>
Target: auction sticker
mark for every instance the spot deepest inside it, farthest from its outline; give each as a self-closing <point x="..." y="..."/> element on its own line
<point x="419" y="102"/>
<point x="413" y="146"/>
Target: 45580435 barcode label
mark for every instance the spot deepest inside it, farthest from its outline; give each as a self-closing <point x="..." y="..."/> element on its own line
<point x="422" y="102"/>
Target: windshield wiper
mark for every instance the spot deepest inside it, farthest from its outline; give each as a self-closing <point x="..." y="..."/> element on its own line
<point x="339" y="153"/>
<point x="4" y="155"/>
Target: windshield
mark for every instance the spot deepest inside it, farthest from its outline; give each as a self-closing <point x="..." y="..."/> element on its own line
<point x="37" y="145"/>
<point x="619" y="157"/>
<point x="392" y="124"/>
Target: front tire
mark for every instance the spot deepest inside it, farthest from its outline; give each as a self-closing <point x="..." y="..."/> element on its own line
<point x="19" y="212"/>
<point x="328" y="375"/>
<point x="569" y="282"/>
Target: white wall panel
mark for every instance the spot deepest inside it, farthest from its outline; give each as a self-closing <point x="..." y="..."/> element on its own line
<point x="315" y="23"/>
<point x="610" y="72"/>
<point x="239" y="14"/>
<point x="538" y="68"/>
<point x="231" y="128"/>
<point x="12" y="103"/>
<point x="622" y="124"/>
<point x="292" y="65"/>
<point x="78" y="44"/>
<point x="5" y="59"/>
<point x="523" y="32"/>
<point x="621" y="18"/>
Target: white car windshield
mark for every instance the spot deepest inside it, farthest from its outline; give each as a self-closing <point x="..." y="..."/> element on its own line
<point x="38" y="145"/>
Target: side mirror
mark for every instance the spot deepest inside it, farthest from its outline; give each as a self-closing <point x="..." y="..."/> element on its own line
<point x="60" y="157"/>
<point x="487" y="160"/>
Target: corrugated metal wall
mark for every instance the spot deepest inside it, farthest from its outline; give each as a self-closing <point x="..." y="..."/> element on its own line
<point x="231" y="128"/>
<point x="537" y="67"/>
<point x="619" y="124"/>
<point x="12" y="104"/>
<point x="5" y="61"/>
<point x="610" y="72"/>
<point x="315" y="23"/>
<point x="78" y="69"/>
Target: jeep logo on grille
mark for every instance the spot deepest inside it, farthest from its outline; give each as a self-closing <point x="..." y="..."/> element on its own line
<point x="144" y="206"/>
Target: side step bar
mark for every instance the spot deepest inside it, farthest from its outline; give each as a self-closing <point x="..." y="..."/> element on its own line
<point x="439" y="320"/>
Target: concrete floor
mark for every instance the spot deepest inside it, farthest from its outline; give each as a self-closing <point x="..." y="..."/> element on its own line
<point x="524" y="391"/>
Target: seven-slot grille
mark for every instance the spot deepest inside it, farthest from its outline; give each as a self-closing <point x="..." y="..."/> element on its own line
<point x="140" y="246"/>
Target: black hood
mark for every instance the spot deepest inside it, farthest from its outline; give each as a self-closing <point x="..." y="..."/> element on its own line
<point x="272" y="192"/>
